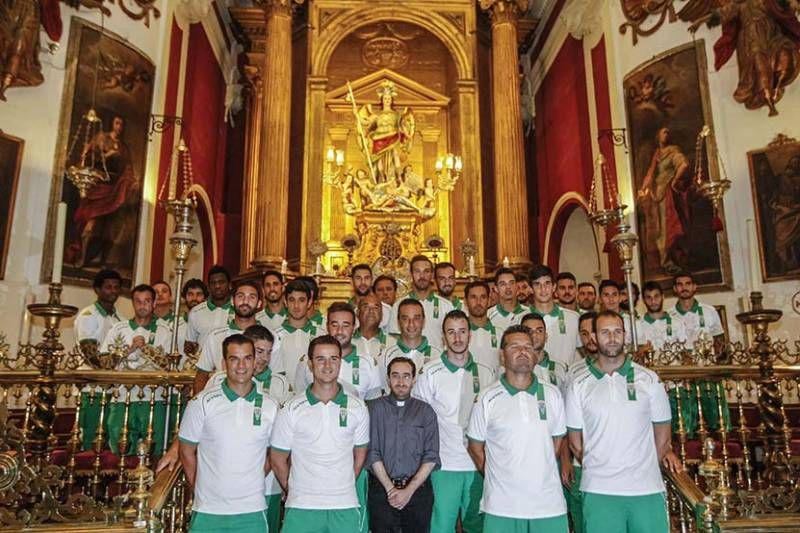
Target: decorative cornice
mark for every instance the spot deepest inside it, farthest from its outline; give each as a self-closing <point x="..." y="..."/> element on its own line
<point x="135" y="9"/>
<point x="279" y="7"/>
<point x="504" y="10"/>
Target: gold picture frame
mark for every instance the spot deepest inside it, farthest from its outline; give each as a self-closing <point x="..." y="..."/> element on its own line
<point x="11" y="149"/>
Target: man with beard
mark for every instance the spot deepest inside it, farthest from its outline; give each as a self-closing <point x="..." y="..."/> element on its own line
<point x="515" y="432"/>
<point x="403" y="451"/>
<point x="700" y="320"/>
<point x="566" y="290"/>
<point x="193" y="293"/>
<point x="562" y="324"/>
<point x="386" y="289"/>
<point x="435" y="307"/>
<point x="411" y="343"/>
<point x="320" y="440"/>
<point x="588" y="348"/>
<point x="508" y="311"/>
<point x="484" y="337"/>
<point x="361" y="278"/>
<point x="451" y="385"/>
<point x="611" y="300"/>
<point x="91" y="326"/>
<point x="136" y="336"/>
<point x="357" y="370"/>
<point x="657" y="327"/>
<point x="214" y="312"/>
<point x="296" y="331"/>
<point x="624" y="300"/>
<point x="274" y="312"/>
<point x="369" y="339"/>
<point x="546" y="369"/>
<point x="246" y="301"/>
<point x="621" y="483"/>
<point x="587" y="297"/>
<point x="524" y="290"/>
<point x="445" y="275"/>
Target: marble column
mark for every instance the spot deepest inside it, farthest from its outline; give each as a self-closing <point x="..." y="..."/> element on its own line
<point x="272" y="199"/>
<point x="511" y="197"/>
<point x="255" y="103"/>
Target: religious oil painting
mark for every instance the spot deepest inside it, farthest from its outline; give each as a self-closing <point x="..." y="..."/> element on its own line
<point x="775" y="178"/>
<point x="107" y="75"/>
<point x="667" y="105"/>
<point x="10" y="161"/>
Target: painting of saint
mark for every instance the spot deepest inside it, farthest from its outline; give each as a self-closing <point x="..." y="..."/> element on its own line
<point x="102" y="226"/>
<point x="775" y="178"/>
<point x="667" y="106"/>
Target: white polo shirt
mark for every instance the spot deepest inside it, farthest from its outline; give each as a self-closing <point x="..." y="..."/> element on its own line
<point x="321" y="437"/>
<point x="420" y="355"/>
<point x="291" y="344"/>
<point x="182" y="326"/>
<point x="517" y="427"/>
<point x="503" y="319"/>
<point x="553" y="372"/>
<point x="358" y="371"/>
<point x="701" y="320"/>
<point x="484" y="344"/>
<point x="659" y="331"/>
<point x="94" y="322"/>
<point x="563" y="337"/>
<point x="271" y="321"/>
<point x="156" y="334"/>
<point x="616" y="414"/>
<point x="435" y="308"/>
<point x="206" y="317"/>
<point x="452" y="392"/>
<point x="232" y="435"/>
<point x="211" y="350"/>
<point x="373" y="347"/>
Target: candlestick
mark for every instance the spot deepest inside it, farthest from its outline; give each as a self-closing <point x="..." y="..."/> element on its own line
<point x="284" y="266"/>
<point x="753" y="255"/>
<point x="25" y="330"/>
<point x="471" y="264"/>
<point x="58" y="249"/>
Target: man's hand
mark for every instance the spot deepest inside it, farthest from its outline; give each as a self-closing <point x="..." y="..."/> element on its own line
<point x="399" y="498"/>
<point x="671" y="462"/>
<point x="136" y="344"/>
<point x="168" y="460"/>
<point x="567" y="473"/>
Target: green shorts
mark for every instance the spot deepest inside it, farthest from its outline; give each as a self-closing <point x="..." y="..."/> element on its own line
<point x="239" y="523"/>
<point x="274" y="512"/>
<point x="456" y="493"/>
<point x="574" y="498"/>
<point x="501" y="524"/>
<point x="604" y="513"/>
<point x="362" y="485"/>
<point x="321" y="520"/>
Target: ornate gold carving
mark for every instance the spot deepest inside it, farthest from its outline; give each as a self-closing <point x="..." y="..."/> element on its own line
<point x="638" y="11"/>
<point x="385" y="52"/>
<point x="502" y="11"/>
<point x="135" y="9"/>
<point x="781" y="139"/>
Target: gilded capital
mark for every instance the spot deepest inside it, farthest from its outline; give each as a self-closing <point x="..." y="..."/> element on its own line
<point x="281" y="7"/>
<point x="504" y="10"/>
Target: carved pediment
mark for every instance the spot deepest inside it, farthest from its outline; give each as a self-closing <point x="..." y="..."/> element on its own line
<point x="409" y="93"/>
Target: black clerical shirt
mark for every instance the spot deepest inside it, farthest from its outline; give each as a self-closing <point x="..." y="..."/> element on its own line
<point x="404" y="434"/>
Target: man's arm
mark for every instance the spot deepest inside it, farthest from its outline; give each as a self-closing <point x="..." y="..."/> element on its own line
<point x="477" y="450"/>
<point x="279" y="461"/>
<point x="663" y="436"/>
<point x="565" y="460"/>
<point x="576" y="444"/>
<point x="188" y="454"/>
<point x="379" y="471"/>
<point x="359" y="458"/>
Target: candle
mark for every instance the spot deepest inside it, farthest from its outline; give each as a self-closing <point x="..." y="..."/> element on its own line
<point x="439" y="165"/>
<point x="754" y="259"/>
<point x="448" y="162"/>
<point x="506" y="263"/>
<point x="318" y="266"/>
<point x="459" y="164"/>
<point x="471" y="263"/>
<point x="339" y="158"/>
<point x="284" y="266"/>
<point x="58" y="249"/>
<point x="330" y="155"/>
<point x="25" y="331"/>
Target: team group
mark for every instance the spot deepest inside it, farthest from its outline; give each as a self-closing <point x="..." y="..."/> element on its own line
<point x="511" y="409"/>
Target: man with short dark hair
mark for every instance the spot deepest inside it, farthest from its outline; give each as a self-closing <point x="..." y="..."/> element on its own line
<point x="524" y="290"/>
<point x="546" y="369"/>
<point x="451" y="385"/>
<point x="135" y="337"/>
<point x="386" y="289"/>
<point x="246" y="302"/>
<point x="403" y="451"/>
<point x="567" y="290"/>
<point x="624" y="301"/>
<point x="224" y="438"/>
<point x="700" y="320"/>
<point x="515" y="432"/>
<point x="435" y="306"/>
<point x="587" y="297"/>
<point x="508" y="310"/>
<point x="411" y="342"/>
<point x="274" y="312"/>
<point x="324" y="430"/>
<point x="484" y="338"/>
<point x="562" y="324"/>
<point x="609" y="295"/>
<point x="445" y="275"/>
<point x="619" y="415"/>
<point x="657" y="327"/>
<point x="296" y="331"/>
<point x="216" y="311"/>
<point x="588" y="348"/>
<point x="194" y="292"/>
<point x="91" y="327"/>
<point x="361" y="279"/>
<point x="369" y="339"/>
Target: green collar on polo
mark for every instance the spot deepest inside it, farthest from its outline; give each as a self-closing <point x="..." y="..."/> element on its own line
<point x="232" y="396"/>
<point x="502" y="310"/>
<point x="309" y="327"/>
<point x="488" y="326"/>
<point x="652" y="320"/>
<point x="423" y="346"/>
<point x="226" y="306"/>
<point x="103" y="312"/>
<point x="694" y="309"/>
<point x="352" y="356"/>
<point x="512" y="390"/>
<point x="283" y="312"/>
<point x="151" y="326"/>
<point x="340" y="398"/>
<point x="453" y="368"/>
<point x="624" y="370"/>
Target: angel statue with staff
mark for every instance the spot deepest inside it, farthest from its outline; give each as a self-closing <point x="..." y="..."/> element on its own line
<point x="387" y="135"/>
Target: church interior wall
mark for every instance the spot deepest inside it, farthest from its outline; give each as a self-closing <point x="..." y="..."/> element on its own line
<point x="737" y="129"/>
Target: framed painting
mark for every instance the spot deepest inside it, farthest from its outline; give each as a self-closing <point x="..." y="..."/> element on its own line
<point x="775" y="178"/>
<point x="104" y="73"/>
<point x="10" y="162"/>
<point x="667" y="105"/>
